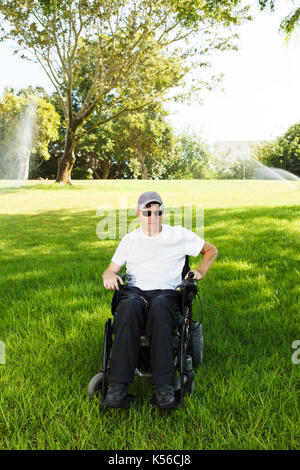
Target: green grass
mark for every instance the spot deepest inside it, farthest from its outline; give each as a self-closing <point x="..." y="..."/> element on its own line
<point x="53" y="308"/>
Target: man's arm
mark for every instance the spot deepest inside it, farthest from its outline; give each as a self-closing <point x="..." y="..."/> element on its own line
<point x="209" y="253"/>
<point x="110" y="278"/>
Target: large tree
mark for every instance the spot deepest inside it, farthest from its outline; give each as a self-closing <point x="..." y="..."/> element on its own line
<point x="129" y="52"/>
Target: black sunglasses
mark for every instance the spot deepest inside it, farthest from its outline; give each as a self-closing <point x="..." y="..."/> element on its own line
<point x="148" y="213"/>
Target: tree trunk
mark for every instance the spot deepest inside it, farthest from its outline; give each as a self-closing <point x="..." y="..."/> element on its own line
<point x="105" y="172"/>
<point x="144" y="172"/>
<point x="106" y="169"/>
<point x="66" y="162"/>
<point x="95" y="172"/>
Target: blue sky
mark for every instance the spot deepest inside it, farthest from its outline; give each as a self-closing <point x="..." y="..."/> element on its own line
<point x="261" y="98"/>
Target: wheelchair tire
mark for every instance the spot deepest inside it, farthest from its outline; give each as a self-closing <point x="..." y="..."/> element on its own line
<point x="196" y="344"/>
<point x="95" y="385"/>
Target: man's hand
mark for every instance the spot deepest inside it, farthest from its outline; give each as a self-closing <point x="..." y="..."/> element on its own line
<point x="197" y="276"/>
<point x="110" y="280"/>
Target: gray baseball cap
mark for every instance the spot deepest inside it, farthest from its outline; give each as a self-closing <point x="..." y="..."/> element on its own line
<point x="149" y="196"/>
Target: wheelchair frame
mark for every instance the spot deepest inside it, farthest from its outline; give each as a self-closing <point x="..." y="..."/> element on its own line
<point x="183" y="337"/>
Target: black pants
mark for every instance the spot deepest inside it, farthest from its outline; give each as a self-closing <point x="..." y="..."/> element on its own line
<point x="157" y="312"/>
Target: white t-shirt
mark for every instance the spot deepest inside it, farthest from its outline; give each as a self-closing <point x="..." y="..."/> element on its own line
<point x="156" y="262"/>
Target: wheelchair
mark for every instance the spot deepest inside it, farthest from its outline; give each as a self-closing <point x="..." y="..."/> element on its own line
<point x="187" y="341"/>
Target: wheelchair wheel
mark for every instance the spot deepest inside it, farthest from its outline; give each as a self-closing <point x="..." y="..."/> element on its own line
<point x="95" y="385"/>
<point x="196" y="344"/>
<point x="98" y="384"/>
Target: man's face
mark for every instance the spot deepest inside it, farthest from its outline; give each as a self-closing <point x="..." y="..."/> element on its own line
<point x="150" y="218"/>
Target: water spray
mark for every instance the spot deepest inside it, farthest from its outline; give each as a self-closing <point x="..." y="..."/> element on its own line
<point x="277" y="172"/>
<point x="16" y="150"/>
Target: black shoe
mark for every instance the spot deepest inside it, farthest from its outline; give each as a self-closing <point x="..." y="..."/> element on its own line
<point x="165" y="396"/>
<point x="116" y="395"/>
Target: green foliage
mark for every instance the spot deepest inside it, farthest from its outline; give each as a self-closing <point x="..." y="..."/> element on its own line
<point x="228" y="11"/>
<point x="137" y="145"/>
<point x="119" y="56"/>
<point x="284" y="152"/>
<point x="134" y="143"/>
<point x="148" y="140"/>
<point x="102" y="152"/>
<point x="190" y="159"/>
<point x="13" y="143"/>
<point x="289" y="24"/>
<point x="225" y="167"/>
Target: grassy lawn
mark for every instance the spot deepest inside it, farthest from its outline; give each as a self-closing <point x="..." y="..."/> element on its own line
<point x="53" y="308"/>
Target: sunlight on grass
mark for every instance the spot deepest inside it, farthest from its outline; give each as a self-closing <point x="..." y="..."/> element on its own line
<point x="53" y="308"/>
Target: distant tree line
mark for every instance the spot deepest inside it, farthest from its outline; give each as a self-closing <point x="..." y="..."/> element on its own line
<point x="283" y="152"/>
<point x="112" y="64"/>
<point x="137" y="145"/>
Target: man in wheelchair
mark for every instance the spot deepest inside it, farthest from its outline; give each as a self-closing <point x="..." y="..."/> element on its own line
<point x="155" y="256"/>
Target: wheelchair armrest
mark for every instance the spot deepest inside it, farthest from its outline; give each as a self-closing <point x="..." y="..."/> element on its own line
<point x="188" y="289"/>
